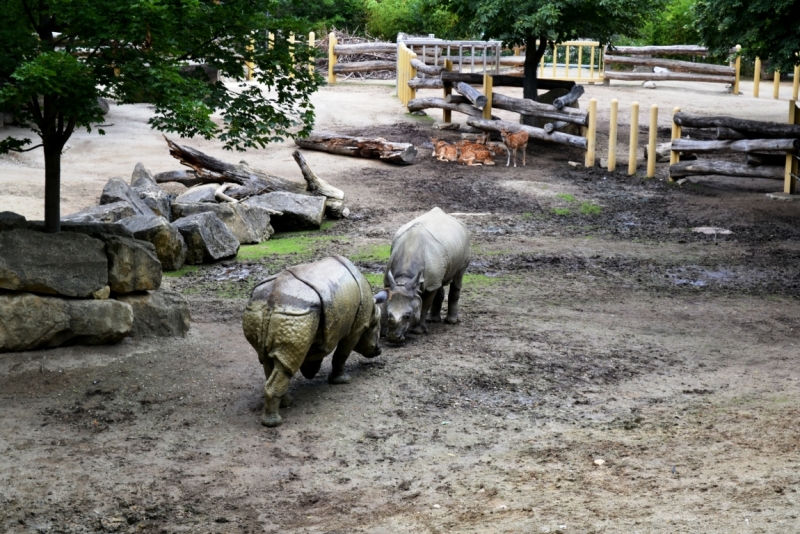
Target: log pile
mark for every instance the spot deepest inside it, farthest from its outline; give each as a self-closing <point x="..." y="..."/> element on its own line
<point x="673" y="69"/>
<point x="765" y="143"/>
<point x="364" y="58"/>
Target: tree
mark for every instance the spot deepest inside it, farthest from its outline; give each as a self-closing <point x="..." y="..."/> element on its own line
<point x="58" y="56"/>
<point x="765" y="29"/>
<point x="523" y="22"/>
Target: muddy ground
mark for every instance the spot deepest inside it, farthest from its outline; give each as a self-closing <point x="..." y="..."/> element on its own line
<point x="613" y="371"/>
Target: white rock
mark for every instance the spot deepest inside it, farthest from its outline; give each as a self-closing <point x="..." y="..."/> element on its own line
<point x="649" y="85"/>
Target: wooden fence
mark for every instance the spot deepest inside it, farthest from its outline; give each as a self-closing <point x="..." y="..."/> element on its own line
<point x="250" y="67"/>
<point x="776" y="81"/>
<point x="582" y="61"/>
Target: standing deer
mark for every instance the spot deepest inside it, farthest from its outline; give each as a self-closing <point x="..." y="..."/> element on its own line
<point x="513" y="141"/>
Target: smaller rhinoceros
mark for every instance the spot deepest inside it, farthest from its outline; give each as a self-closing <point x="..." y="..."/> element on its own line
<point x="428" y="253"/>
<point x="297" y="317"/>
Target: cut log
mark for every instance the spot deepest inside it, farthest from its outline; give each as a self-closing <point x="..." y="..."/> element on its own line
<point x="187" y="178"/>
<point x="671" y="64"/>
<point x="674" y="50"/>
<point x="364" y="48"/>
<point x="743" y="145"/>
<point x="666" y="76"/>
<point x="364" y="66"/>
<point x="664" y="151"/>
<point x="536" y="133"/>
<point x="418" y="104"/>
<point x="573" y="95"/>
<point x="426" y="83"/>
<point x="426" y="69"/>
<point x="503" y="80"/>
<point x="473" y="95"/>
<point x="758" y="159"/>
<point x="761" y="129"/>
<point x="724" y="168"/>
<point x="729" y="133"/>
<point x="456" y="99"/>
<point x="334" y="202"/>
<point x="525" y="106"/>
<point x="360" y="147"/>
<point x="551" y="127"/>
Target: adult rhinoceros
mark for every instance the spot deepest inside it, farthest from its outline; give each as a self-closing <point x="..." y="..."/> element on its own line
<point x="428" y="253"/>
<point x="297" y="317"/>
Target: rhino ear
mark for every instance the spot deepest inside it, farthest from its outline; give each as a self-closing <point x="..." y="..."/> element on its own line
<point x="415" y="283"/>
<point x="381" y="297"/>
<point x="392" y="283"/>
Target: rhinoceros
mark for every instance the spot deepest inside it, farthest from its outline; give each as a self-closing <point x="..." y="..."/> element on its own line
<point x="428" y="253"/>
<point x="297" y="317"/>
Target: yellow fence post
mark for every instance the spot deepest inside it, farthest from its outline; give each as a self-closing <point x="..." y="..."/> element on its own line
<point x="651" y="146"/>
<point x="516" y="50"/>
<point x="796" y="82"/>
<point x="757" y="77"/>
<point x="331" y="57"/>
<point x="402" y="83"/>
<point x="591" y="134"/>
<point x="566" y="63"/>
<point x="488" y="85"/>
<point x="580" y="62"/>
<point x="776" y="84"/>
<point x="738" y="69"/>
<point x="789" y="181"/>
<point x="555" y="56"/>
<point x="291" y="52"/>
<point x="448" y="90"/>
<point x="612" y="137"/>
<point x="674" y="157"/>
<point x="312" y="43"/>
<point x="591" y="64"/>
<point x="412" y="73"/>
<point x="541" y="66"/>
<point x="634" y="142"/>
<point x="249" y="65"/>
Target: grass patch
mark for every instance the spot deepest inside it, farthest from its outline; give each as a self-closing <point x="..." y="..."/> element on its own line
<point x="301" y="243"/>
<point x="480" y="281"/>
<point x="374" y="279"/>
<point x="373" y="253"/>
<point x="566" y="196"/>
<point x="587" y="208"/>
<point x="562" y="211"/>
<point x="183" y="271"/>
<point x="479" y="250"/>
<point x="527" y="216"/>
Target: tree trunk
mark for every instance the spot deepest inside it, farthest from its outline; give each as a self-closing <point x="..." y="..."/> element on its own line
<point x="530" y="88"/>
<point x="362" y="147"/>
<point x="426" y="83"/>
<point x="52" y="186"/>
<point x="569" y="98"/>
<point x="464" y="106"/>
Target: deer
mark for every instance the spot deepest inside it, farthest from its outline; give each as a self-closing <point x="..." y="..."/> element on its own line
<point x="513" y="141"/>
<point x="443" y="151"/>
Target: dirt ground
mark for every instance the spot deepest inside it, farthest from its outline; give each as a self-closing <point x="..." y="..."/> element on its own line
<point x="613" y="371"/>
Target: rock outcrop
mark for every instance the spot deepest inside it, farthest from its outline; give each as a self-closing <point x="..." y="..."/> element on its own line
<point x="250" y="224"/>
<point x="170" y="246"/>
<point x="300" y="212"/>
<point x="159" y="313"/>
<point x="207" y="238"/>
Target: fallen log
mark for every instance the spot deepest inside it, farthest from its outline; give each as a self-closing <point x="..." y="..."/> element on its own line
<point x="551" y="127"/>
<point x="364" y="66"/>
<point x="334" y="203"/>
<point x="671" y="64"/>
<point x="724" y="168"/>
<point x="666" y="76"/>
<point x="426" y="69"/>
<point x="418" y="104"/>
<point x="360" y="147"/>
<point x="526" y="106"/>
<point x="536" y="133"/>
<point x="503" y="80"/>
<point x="742" y="145"/>
<point x="750" y="128"/>
<point x="183" y="177"/>
<point x="729" y="133"/>
<point x="757" y="159"/>
<point x="473" y="95"/>
<point x="673" y="50"/>
<point x="573" y="95"/>
<point x="664" y="151"/>
<point x="426" y="83"/>
<point x="456" y="99"/>
<point x="364" y="48"/>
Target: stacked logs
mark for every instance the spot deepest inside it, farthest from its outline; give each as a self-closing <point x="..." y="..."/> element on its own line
<point x="674" y="70"/>
<point x="765" y="143"/>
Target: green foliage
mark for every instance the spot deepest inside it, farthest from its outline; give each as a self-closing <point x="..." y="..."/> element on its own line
<point x="566" y="196"/>
<point x="765" y="29"/>
<point x="386" y="18"/>
<point x="374" y="279"/>
<point x="587" y="208"/>
<point x="674" y="24"/>
<point x="562" y="212"/>
<point x="299" y="243"/>
<point x="322" y="15"/>
<point x="373" y="253"/>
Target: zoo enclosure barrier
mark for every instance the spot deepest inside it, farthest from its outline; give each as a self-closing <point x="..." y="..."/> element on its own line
<point x="574" y="66"/>
<point x="776" y="81"/>
<point x="250" y="67"/>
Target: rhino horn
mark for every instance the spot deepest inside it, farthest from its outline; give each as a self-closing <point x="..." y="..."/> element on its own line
<point x="414" y="282"/>
<point x="381" y="297"/>
<point x="392" y="283"/>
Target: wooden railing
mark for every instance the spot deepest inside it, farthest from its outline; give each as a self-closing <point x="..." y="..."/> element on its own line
<point x="581" y="61"/>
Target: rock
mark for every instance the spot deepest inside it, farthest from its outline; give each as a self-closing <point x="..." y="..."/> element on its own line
<point x="198" y="193"/>
<point x="446" y="126"/>
<point x="106" y="213"/>
<point x="250" y="224"/>
<point x="300" y="212"/>
<point x="170" y="247"/>
<point x="142" y="176"/>
<point x="33" y="321"/>
<point x="132" y="265"/>
<point x="649" y="84"/>
<point x="97" y="230"/>
<point x="117" y="190"/>
<point x="11" y="221"/>
<point x="158" y="313"/>
<point x="102" y="294"/>
<point x="143" y="183"/>
<point x="65" y="263"/>
<point x="207" y="238"/>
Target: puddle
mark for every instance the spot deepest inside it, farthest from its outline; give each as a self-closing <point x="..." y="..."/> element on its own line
<point x="700" y="277"/>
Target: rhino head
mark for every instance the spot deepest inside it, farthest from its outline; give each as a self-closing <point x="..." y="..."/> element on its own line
<point x="403" y="307"/>
<point x="367" y="344"/>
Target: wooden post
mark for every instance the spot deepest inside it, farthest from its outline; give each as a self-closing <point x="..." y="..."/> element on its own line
<point x="651" y="147"/>
<point x="738" y="69"/>
<point x="796" y="82"/>
<point x="591" y="66"/>
<point x="291" y="51"/>
<point x="634" y="142"/>
<point x="757" y="77"/>
<point x="488" y="83"/>
<point x="555" y="56"/>
<point x="446" y="114"/>
<point x="612" y="137"/>
<point x="789" y="181"/>
<point x="541" y="66"/>
<point x="674" y="156"/>
<point x="331" y="57"/>
<point x="516" y="50"/>
<point x="312" y="43"/>
<point x="580" y="62"/>
<point x="591" y="133"/>
<point x="412" y="73"/>
<point x="249" y="65"/>
<point x="566" y="63"/>
<point x="776" y="84"/>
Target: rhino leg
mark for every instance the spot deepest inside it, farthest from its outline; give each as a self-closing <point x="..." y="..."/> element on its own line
<point x="310" y="368"/>
<point x="436" y="307"/>
<point x="343" y="349"/>
<point x="427" y="301"/>
<point x="452" y="299"/>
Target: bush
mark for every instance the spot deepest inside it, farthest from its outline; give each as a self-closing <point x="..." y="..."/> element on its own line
<point x="674" y="24"/>
<point x="387" y="18"/>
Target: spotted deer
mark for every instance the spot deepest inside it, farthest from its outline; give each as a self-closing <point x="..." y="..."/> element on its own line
<point x="513" y="141"/>
<point x="471" y="154"/>
<point x="444" y="151"/>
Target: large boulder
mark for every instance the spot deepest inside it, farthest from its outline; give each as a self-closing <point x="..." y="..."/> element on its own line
<point x="158" y="313"/>
<point x="198" y="193"/>
<point x="142" y="176"/>
<point x="11" y="221"/>
<point x="143" y="183"/>
<point x="300" y="212"/>
<point x="106" y="213"/>
<point x="207" y="238"/>
<point x="132" y="265"/>
<point x="35" y="321"/>
<point x="65" y="263"/>
<point x="97" y="230"/>
<point x="170" y="246"/>
<point x="250" y="224"/>
<point x="117" y="190"/>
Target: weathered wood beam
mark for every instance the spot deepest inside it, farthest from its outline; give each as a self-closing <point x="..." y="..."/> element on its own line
<point x="504" y="80"/>
<point x="426" y="69"/>
<point x="573" y="95"/>
<point x="674" y="50"/>
<point x="671" y="64"/>
<point x="750" y="128"/>
<point x="526" y="106"/>
<point x="360" y="147"/>
<point x="724" y="168"/>
<point x="456" y="99"/>
<point x="419" y="104"/>
<point x="426" y="83"/>
<point x="742" y="145"/>
<point x="666" y="76"/>
<point x="364" y="66"/>
<point x="536" y="133"/>
<point x="473" y="95"/>
<point x="364" y="48"/>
